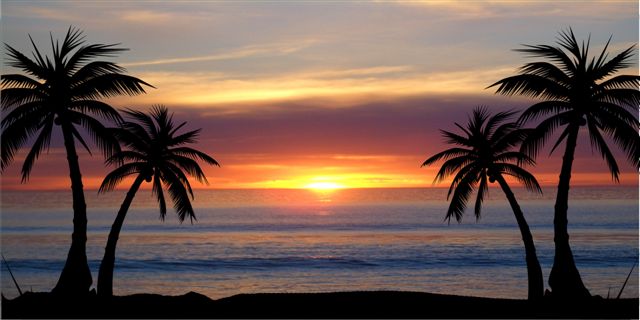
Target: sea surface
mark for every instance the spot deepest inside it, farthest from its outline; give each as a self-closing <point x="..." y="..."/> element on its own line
<point x="248" y="241"/>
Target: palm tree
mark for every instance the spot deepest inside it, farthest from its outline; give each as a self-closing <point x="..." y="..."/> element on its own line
<point x="484" y="154"/>
<point x="63" y="91"/>
<point x="577" y="91"/>
<point x="153" y="152"/>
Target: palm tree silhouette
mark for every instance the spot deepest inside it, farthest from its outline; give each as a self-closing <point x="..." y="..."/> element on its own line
<point x="63" y="91"/>
<point x="154" y="153"/>
<point x="484" y="155"/>
<point x="577" y="91"/>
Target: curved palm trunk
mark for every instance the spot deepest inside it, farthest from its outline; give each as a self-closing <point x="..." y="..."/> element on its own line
<point x="564" y="278"/>
<point x="75" y="278"/>
<point x="105" y="274"/>
<point x="534" y="271"/>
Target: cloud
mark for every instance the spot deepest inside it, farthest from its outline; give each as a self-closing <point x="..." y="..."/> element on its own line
<point x="245" y="52"/>
<point x="146" y="16"/>
<point x="492" y="9"/>
<point x="41" y="12"/>
<point x="208" y="89"/>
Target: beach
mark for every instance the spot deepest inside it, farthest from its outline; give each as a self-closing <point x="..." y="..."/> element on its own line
<point x="373" y="304"/>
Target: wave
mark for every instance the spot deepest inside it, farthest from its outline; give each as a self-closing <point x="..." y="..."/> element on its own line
<point x="310" y="263"/>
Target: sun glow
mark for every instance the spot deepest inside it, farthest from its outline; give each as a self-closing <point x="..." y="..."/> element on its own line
<point x="325" y="185"/>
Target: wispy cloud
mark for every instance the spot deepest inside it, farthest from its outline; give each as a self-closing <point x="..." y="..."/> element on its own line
<point x="41" y="12"/>
<point x="479" y="9"/>
<point x="146" y="16"/>
<point x="211" y="89"/>
<point x="245" y="52"/>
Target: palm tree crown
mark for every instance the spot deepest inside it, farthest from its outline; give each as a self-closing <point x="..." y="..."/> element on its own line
<point x="579" y="91"/>
<point x="62" y="91"/>
<point x="484" y="153"/>
<point x="153" y="149"/>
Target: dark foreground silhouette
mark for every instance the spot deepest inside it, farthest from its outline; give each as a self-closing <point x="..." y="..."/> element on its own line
<point x="371" y="304"/>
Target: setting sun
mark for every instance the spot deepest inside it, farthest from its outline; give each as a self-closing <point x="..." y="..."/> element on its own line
<point x="324" y="186"/>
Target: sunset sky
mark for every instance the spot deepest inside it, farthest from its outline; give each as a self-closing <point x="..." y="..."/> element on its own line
<point x="291" y="94"/>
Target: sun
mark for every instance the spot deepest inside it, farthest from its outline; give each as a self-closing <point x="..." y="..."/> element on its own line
<point x="324" y="185"/>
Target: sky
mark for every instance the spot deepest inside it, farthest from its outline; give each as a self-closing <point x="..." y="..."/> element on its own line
<point x="319" y="93"/>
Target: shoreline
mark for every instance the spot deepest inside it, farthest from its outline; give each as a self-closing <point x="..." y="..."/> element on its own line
<point x="355" y="304"/>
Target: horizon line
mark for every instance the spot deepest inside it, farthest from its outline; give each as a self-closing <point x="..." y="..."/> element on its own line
<point x="332" y="190"/>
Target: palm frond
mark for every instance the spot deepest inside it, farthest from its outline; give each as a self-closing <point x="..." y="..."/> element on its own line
<point x="621" y="82"/>
<point x="514" y="156"/>
<point x="22" y="62"/>
<point x="495" y="120"/>
<point x="555" y="54"/>
<point x="102" y="137"/>
<point x="617" y="63"/>
<point x="463" y="172"/>
<point x="628" y="98"/>
<point x="539" y="136"/>
<point x="19" y="81"/>
<point x="30" y="109"/>
<point x="185" y="138"/>
<point x="461" y="195"/>
<point x="195" y="154"/>
<point x="16" y="134"/>
<point x="521" y="175"/>
<point x="125" y="156"/>
<point x="508" y="135"/>
<point x="176" y="171"/>
<point x="190" y="166"/>
<point x="14" y="97"/>
<point x="115" y="177"/>
<point x="445" y="155"/>
<point x="546" y="70"/>
<point x="178" y="193"/>
<point x="598" y="142"/>
<point x="41" y="144"/>
<point x="563" y="135"/>
<point x="452" y="165"/>
<point x="72" y="40"/>
<point x="146" y="121"/>
<point x="625" y="136"/>
<point x="90" y="52"/>
<point x="157" y="191"/>
<point x="44" y="63"/>
<point x="530" y="85"/>
<point x="78" y="137"/>
<point x="453" y="138"/>
<point x="608" y="112"/>
<point x="94" y="69"/>
<point x="483" y="188"/>
<point x="109" y="85"/>
<point x="97" y="108"/>
<point x="542" y="109"/>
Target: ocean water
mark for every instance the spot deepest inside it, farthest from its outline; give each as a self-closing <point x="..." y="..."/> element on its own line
<point x="248" y="241"/>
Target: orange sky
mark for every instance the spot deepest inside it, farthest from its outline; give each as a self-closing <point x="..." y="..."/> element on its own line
<point x="343" y="94"/>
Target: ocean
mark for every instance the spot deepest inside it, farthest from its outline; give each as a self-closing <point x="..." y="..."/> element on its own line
<point x="250" y="241"/>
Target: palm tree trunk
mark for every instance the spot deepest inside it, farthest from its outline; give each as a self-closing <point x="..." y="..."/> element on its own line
<point x="534" y="271"/>
<point x="564" y="279"/>
<point x="76" y="276"/>
<point x="105" y="274"/>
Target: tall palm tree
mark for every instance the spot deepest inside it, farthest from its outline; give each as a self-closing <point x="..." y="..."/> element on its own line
<point x="62" y="91"/>
<point x="155" y="153"/>
<point x="484" y="155"/>
<point x="577" y="91"/>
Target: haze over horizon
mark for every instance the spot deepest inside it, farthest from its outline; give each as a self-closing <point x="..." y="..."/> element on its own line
<point x="342" y="94"/>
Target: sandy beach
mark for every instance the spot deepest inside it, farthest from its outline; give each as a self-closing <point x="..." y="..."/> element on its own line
<point x="370" y="304"/>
